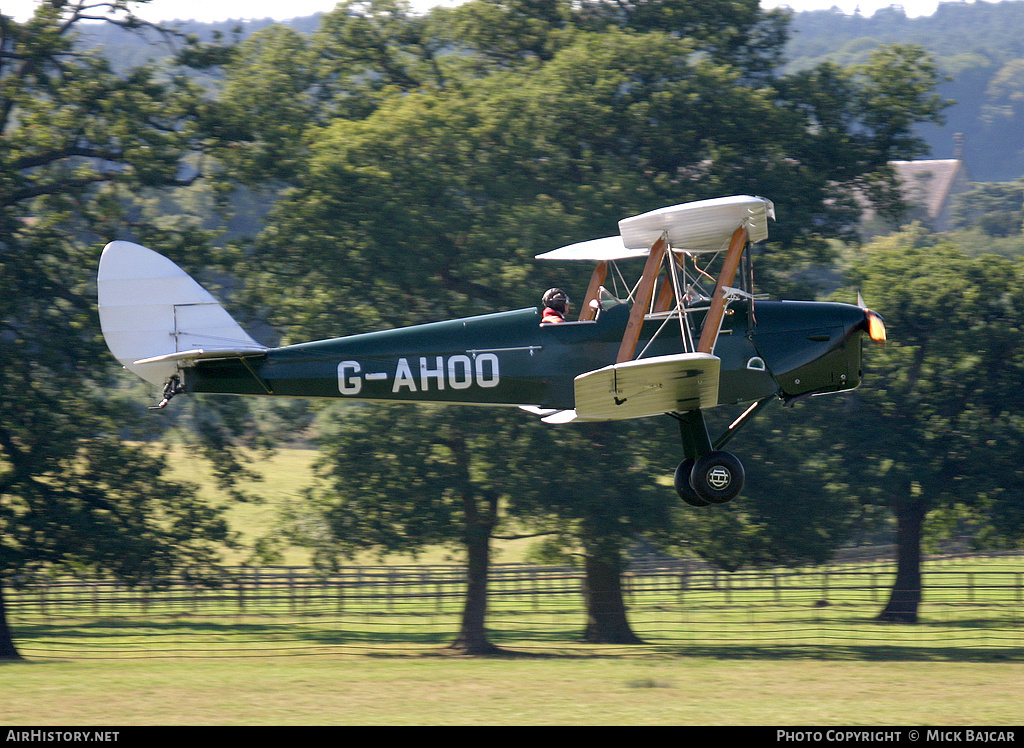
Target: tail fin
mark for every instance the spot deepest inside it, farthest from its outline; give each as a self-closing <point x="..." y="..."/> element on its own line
<point x="155" y="317"/>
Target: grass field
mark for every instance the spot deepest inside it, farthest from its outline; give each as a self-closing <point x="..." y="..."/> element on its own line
<point x="791" y="649"/>
<point x="718" y="656"/>
<point x="586" y="689"/>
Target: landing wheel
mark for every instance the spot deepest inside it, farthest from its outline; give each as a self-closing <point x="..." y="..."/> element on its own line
<point x="683" y="487"/>
<point x="716" y="477"/>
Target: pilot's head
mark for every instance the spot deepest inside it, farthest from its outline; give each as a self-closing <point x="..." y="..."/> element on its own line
<point x="557" y="299"/>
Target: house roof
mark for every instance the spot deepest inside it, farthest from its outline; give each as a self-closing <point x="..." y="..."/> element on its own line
<point x="928" y="183"/>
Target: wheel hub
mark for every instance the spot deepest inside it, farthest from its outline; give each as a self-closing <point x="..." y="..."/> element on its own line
<point x="719" y="477"/>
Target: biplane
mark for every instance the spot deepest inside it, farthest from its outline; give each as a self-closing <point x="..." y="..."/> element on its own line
<point x="689" y="335"/>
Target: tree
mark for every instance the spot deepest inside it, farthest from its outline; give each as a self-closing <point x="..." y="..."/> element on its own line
<point x="997" y="208"/>
<point x="503" y="34"/>
<point x="939" y="430"/>
<point x="369" y="50"/>
<point x="266" y="100"/>
<point x="398" y="478"/>
<point x="739" y="34"/>
<point x="848" y="123"/>
<point x="896" y="91"/>
<point x="1002" y="110"/>
<point x="796" y="509"/>
<point x="75" y="141"/>
<point x="592" y="489"/>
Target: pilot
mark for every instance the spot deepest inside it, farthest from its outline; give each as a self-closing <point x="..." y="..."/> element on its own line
<point x="556" y="306"/>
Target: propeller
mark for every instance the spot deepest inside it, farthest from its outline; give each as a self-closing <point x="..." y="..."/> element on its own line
<point x="876" y="325"/>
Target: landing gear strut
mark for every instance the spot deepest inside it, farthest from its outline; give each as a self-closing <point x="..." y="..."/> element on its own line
<point x="708" y="475"/>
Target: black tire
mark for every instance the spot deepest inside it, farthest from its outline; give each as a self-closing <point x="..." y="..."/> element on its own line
<point x="683" y="487"/>
<point x="717" y="477"/>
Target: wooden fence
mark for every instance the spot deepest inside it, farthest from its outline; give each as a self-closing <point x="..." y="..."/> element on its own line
<point x="294" y="590"/>
<point x="975" y="603"/>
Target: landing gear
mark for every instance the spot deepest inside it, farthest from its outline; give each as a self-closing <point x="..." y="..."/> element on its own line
<point x="714" y="478"/>
<point x="708" y="475"/>
<point x="717" y="477"/>
<point x="683" y="487"/>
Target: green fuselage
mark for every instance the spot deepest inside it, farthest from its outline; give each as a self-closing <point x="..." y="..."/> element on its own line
<point x="509" y="358"/>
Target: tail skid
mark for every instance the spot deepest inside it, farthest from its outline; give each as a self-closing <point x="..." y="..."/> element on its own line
<point x="156" y="318"/>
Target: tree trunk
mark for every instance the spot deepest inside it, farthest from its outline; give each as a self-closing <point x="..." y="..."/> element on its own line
<point x="472" y="638"/>
<point x="481" y="516"/>
<point x="606" y="610"/>
<point x="7" y="648"/>
<point x="906" y="591"/>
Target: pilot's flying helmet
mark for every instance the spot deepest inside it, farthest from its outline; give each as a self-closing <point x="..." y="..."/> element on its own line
<point x="555" y="298"/>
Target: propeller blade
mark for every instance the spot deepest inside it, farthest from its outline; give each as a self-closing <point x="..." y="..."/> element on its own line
<point x="876" y="325"/>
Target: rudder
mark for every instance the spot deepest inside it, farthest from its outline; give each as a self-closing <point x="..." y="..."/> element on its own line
<point x="152" y="309"/>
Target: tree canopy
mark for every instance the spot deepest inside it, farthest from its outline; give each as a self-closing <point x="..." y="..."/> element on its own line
<point x="939" y="432"/>
<point x="76" y="141"/>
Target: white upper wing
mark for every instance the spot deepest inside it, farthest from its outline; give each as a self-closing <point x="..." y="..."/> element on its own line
<point x="701" y="226"/>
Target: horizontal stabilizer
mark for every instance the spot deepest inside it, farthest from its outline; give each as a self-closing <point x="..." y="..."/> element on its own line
<point x="648" y="387"/>
<point x="551" y="415"/>
<point x="155" y="317"/>
<point x="198" y="353"/>
<point x="560" y="416"/>
<point x="537" y="410"/>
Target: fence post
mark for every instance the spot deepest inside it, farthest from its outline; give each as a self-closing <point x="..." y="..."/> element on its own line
<point x="360" y="594"/>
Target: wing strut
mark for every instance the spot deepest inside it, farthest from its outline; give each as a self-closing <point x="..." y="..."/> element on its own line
<point x="642" y="300"/>
<point x="597" y="279"/>
<point x="713" y="320"/>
